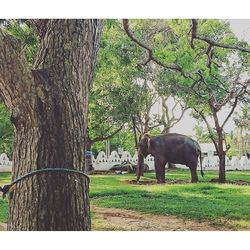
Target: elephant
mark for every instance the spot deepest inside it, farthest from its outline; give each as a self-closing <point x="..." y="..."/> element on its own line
<point x="171" y="147"/>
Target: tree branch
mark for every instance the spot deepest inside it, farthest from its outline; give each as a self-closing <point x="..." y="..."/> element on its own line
<point x="134" y="130"/>
<point x="212" y="42"/>
<point x="40" y="26"/>
<point x="231" y="112"/>
<point x="149" y="51"/>
<point x="103" y="138"/>
<point x="228" y="146"/>
<point x="209" y="128"/>
<point x="15" y="78"/>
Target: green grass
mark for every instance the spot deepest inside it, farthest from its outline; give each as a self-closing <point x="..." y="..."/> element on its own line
<point x="3" y="210"/>
<point x="218" y="203"/>
<point x="200" y="201"/>
<point x="4" y="178"/>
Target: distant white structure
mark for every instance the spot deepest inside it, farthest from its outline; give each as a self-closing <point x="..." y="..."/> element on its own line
<point x="207" y="149"/>
<point x="102" y="162"/>
<point x="209" y="162"/>
<point x="5" y="163"/>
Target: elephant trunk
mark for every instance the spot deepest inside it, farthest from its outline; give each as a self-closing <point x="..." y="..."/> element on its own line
<point x="140" y="165"/>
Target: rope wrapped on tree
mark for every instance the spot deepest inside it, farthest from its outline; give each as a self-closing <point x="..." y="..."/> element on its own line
<point x="9" y="188"/>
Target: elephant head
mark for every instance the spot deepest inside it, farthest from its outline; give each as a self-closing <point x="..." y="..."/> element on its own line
<point x="143" y="151"/>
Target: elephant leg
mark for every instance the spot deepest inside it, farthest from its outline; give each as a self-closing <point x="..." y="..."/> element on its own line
<point x="160" y="170"/>
<point x="193" y="174"/>
<point x="162" y="174"/>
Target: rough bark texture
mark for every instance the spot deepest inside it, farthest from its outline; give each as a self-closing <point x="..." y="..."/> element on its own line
<point x="49" y="111"/>
<point x="219" y="145"/>
<point x="221" y="154"/>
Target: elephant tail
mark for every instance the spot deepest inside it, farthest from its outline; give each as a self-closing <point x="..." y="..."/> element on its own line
<point x="202" y="173"/>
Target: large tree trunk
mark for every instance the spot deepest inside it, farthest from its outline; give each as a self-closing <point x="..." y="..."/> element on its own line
<point x="49" y="113"/>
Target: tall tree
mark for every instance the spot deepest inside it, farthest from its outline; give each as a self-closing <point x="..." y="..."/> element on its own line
<point x="114" y="95"/>
<point x="210" y="62"/>
<point x="212" y="78"/>
<point x="48" y="104"/>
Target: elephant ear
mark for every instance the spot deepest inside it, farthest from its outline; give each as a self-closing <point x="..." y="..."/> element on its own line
<point x="152" y="145"/>
<point x="144" y="144"/>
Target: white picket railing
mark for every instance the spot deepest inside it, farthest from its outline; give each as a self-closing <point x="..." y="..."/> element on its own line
<point x="102" y="162"/>
<point x="5" y="163"/>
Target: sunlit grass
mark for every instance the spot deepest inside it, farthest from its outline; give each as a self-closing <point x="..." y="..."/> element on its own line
<point x="200" y="201"/>
<point x="5" y="178"/>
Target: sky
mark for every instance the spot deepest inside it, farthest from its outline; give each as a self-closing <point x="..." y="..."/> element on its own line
<point x="241" y="27"/>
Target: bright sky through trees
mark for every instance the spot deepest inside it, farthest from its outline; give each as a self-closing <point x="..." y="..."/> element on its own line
<point x="241" y="27"/>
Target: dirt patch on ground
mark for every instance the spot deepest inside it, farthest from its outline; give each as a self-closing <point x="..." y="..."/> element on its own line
<point x="113" y="219"/>
<point x="101" y="172"/>
<point x="242" y="183"/>
<point x="126" y="220"/>
<point x="153" y="182"/>
<point x="170" y="181"/>
<point x="3" y="226"/>
<point x="238" y="182"/>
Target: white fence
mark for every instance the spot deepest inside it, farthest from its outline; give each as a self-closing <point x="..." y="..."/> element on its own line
<point x="5" y="163"/>
<point x="102" y="162"/>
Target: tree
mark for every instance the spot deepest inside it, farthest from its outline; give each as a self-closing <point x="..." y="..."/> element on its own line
<point x="205" y="64"/>
<point x="114" y="95"/>
<point x="220" y="82"/>
<point x="48" y="105"/>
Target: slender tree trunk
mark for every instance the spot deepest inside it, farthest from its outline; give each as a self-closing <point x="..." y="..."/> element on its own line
<point x="222" y="172"/>
<point x="221" y="154"/>
<point x="134" y="131"/>
<point x="89" y="166"/>
<point x="49" y="112"/>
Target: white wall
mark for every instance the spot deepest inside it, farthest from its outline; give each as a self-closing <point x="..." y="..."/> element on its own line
<point x="102" y="162"/>
<point x="209" y="163"/>
<point x="5" y="163"/>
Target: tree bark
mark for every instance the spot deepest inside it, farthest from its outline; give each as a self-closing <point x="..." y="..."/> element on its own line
<point x="89" y="165"/>
<point x="222" y="170"/>
<point x="221" y="154"/>
<point x="219" y="145"/>
<point x="49" y="112"/>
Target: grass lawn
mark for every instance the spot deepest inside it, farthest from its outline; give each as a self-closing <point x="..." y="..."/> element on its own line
<point x="4" y="179"/>
<point x="218" y="203"/>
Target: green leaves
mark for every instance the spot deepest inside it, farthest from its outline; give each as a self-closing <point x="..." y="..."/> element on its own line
<point x="114" y="94"/>
<point x="24" y="32"/>
<point x="6" y="131"/>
